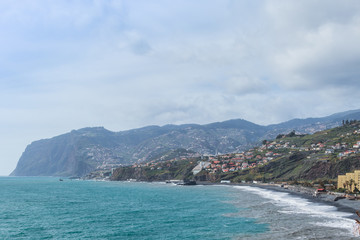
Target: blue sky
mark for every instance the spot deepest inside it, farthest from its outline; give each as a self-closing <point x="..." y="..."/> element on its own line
<point x="127" y="64"/>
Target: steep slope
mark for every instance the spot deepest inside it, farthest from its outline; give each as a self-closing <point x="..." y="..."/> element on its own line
<point x="63" y="155"/>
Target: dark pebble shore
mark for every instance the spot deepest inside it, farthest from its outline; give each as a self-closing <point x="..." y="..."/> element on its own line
<point x="343" y="205"/>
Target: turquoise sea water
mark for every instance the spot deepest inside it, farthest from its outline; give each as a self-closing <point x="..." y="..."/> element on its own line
<point x="46" y="208"/>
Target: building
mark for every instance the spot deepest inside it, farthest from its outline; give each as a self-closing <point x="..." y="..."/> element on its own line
<point x="349" y="181"/>
<point x="341" y="181"/>
<point x="329" y="151"/>
<point x="200" y="167"/>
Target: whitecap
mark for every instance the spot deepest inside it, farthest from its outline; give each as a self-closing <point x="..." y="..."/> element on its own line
<point x="291" y="204"/>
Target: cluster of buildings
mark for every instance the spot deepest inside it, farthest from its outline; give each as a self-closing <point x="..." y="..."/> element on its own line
<point x="261" y="155"/>
<point x="277" y="145"/>
<point x="255" y="157"/>
<point x="349" y="181"/>
<point x="220" y="163"/>
<point x="157" y="165"/>
<point x="105" y="158"/>
<point x="272" y="150"/>
<point x="238" y="161"/>
<point x="343" y="149"/>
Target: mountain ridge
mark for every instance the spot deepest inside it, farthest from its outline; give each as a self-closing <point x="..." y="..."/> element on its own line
<point x="308" y="158"/>
<point x="80" y="151"/>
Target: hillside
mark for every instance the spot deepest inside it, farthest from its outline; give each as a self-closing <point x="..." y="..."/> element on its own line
<point x="320" y="156"/>
<point x="315" y="157"/>
<point x="82" y="151"/>
<point x="180" y="170"/>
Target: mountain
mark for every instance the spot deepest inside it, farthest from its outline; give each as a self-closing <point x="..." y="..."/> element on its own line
<point x="311" y="125"/>
<point x="317" y="157"/>
<point x="82" y="151"/>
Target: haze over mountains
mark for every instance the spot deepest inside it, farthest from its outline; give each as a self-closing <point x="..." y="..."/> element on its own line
<point x="81" y="151"/>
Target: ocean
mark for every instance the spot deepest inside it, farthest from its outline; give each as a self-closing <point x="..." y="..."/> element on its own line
<point x="46" y="208"/>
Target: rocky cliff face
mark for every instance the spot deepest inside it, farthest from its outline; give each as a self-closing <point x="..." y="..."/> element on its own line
<point x="65" y="155"/>
<point x="81" y="151"/>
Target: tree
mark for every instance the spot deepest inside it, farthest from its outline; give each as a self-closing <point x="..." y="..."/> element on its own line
<point x="347" y="183"/>
<point x="279" y="136"/>
<point x="356" y="190"/>
<point x="291" y="134"/>
<point x="351" y="183"/>
<point x="248" y="178"/>
<point x="264" y="142"/>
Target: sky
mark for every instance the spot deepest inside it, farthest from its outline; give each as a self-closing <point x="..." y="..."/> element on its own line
<point x="125" y="64"/>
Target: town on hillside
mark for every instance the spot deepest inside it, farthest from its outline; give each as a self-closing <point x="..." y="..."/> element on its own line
<point x="326" y="147"/>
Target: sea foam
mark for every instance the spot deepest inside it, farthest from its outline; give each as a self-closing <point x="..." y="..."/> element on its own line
<point x="290" y="204"/>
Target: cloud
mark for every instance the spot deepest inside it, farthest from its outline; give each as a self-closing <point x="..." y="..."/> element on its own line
<point x="326" y="57"/>
<point x="318" y="48"/>
<point x="127" y="64"/>
<point x="307" y="15"/>
<point x="245" y="85"/>
<point x="141" y="47"/>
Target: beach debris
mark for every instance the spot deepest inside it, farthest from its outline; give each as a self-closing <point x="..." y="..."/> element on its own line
<point x="339" y="197"/>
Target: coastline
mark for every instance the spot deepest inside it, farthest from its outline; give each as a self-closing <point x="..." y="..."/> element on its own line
<point x="342" y="205"/>
<point x="303" y="214"/>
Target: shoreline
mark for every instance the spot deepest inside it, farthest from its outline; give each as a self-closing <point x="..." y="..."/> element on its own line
<point x="342" y="205"/>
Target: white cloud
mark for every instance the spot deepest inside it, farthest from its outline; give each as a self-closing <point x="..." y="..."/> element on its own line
<point x="305" y="15"/>
<point x="245" y="85"/>
<point x="127" y="64"/>
<point x="326" y="57"/>
<point x="316" y="43"/>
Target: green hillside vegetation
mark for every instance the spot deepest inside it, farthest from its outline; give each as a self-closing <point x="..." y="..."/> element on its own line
<point x="161" y="171"/>
<point x="328" y="137"/>
<point x="306" y="158"/>
<point x="319" y="157"/>
<point x="171" y="154"/>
